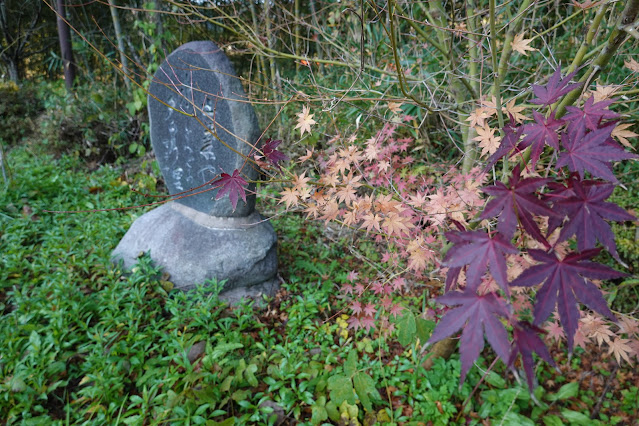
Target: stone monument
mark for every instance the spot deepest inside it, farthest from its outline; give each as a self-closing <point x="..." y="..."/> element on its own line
<point x="201" y="126"/>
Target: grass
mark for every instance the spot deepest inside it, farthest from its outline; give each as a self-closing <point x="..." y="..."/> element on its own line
<point x="83" y="343"/>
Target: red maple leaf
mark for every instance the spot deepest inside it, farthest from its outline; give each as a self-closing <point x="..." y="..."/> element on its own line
<point x="590" y="151"/>
<point x="592" y="112"/>
<point x="477" y="315"/>
<point x="525" y="342"/>
<point x="233" y="185"/>
<point x="565" y="281"/>
<point x="584" y="206"/>
<point x="478" y="250"/>
<point x="518" y="200"/>
<point x="554" y="89"/>
<point x="539" y="134"/>
<point x="272" y="154"/>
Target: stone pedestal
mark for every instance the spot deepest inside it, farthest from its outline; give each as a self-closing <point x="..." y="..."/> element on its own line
<point x="194" y="247"/>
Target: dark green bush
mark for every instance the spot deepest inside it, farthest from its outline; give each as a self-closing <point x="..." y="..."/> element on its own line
<point x="18" y="109"/>
<point x="92" y="123"/>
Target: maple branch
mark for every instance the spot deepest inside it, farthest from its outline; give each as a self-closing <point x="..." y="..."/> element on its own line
<point x="617" y="37"/>
<point x="594" y="27"/>
<point x="474" y="44"/>
<point x="398" y="66"/>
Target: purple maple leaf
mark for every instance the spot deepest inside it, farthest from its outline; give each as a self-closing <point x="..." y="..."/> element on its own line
<point x="512" y="134"/>
<point x="272" y="154"/>
<point x="477" y="315"/>
<point x="539" y="134"/>
<point x="592" y="113"/>
<point x="590" y="151"/>
<point x="518" y="200"/>
<point x="525" y="342"/>
<point x="587" y="213"/>
<point x="478" y="250"/>
<point x="554" y="89"/>
<point x="565" y="281"/>
<point x="233" y="185"/>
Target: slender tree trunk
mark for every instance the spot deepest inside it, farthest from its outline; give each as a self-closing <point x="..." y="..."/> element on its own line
<point x="298" y="37"/>
<point x="261" y="67"/>
<point x="64" y="34"/>
<point x="115" y="16"/>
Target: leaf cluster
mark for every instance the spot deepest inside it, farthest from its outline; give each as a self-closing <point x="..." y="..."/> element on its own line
<point x="568" y="203"/>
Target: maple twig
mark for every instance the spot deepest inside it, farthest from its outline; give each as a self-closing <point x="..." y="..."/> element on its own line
<point x="398" y="66"/>
<point x="461" y="409"/>
<point x="597" y="408"/>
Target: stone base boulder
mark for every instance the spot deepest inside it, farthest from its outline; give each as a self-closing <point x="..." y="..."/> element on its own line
<point x="194" y="247"/>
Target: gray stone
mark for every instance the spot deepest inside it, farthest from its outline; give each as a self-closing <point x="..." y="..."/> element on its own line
<point x="194" y="247"/>
<point x="200" y="119"/>
<point x="202" y="126"/>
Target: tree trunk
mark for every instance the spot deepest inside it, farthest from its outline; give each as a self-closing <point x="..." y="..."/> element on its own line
<point x="14" y="70"/>
<point x="66" y="51"/>
<point x="115" y="17"/>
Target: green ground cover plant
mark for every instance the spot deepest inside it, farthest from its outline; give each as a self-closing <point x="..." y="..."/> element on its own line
<point x="84" y="344"/>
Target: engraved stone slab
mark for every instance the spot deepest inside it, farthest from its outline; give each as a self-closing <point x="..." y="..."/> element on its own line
<point x="202" y="126"/>
<point x="200" y="120"/>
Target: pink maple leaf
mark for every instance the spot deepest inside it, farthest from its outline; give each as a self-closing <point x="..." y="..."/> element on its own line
<point x="353" y="322"/>
<point x="367" y="323"/>
<point x="396" y="310"/>
<point x="370" y="309"/>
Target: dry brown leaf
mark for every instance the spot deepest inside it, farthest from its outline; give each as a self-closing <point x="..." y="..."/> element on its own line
<point x="622" y="134"/>
<point x="601" y="93"/>
<point x="521" y="44"/>
<point x="394" y="107"/>
<point x="478" y="117"/>
<point x="619" y="347"/>
<point x="515" y="111"/>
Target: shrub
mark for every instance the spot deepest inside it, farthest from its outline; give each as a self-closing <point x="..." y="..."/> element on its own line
<point x="18" y="109"/>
